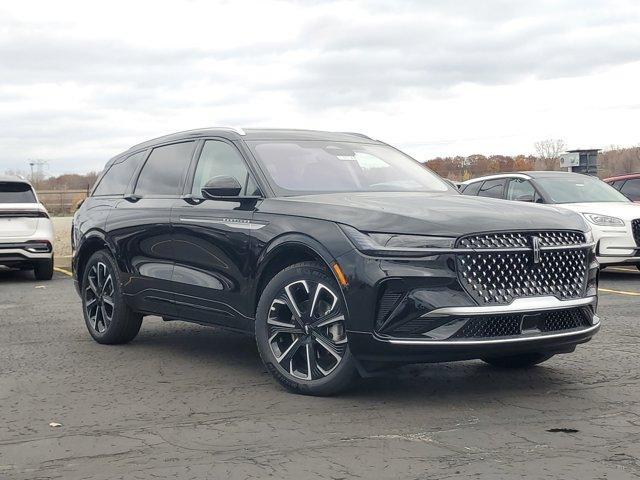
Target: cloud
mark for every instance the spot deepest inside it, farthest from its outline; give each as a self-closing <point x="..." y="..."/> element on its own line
<point x="81" y="81"/>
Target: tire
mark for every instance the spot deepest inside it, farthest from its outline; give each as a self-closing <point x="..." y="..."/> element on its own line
<point x="306" y="351"/>
<point x="107" y="317"/>
<point x="526" y="360"/>
<point x="43" y="269"/>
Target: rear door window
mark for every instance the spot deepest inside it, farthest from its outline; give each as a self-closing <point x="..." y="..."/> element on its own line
<point x="163" y="173"/>
<point x="16" y="192"/>
<point x="117" y="178"/>
<point x="472" y="188"/>
<point x="631" y="189"/>
<point x="492" y="188"/>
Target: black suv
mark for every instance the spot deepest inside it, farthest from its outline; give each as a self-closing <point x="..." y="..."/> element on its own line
<point x="340" y="253"/>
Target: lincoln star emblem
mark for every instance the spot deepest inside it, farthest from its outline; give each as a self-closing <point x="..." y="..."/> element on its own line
<point x="535" y="243"/>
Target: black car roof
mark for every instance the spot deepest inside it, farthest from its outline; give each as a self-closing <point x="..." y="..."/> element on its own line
<point x="257" y="134"/>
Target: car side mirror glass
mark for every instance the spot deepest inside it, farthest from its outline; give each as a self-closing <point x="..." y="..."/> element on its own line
<point x="525" y="198"/>
<point x="221" y="186"/>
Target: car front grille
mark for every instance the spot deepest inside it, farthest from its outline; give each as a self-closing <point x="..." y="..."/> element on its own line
<point x="522" y="239"/>
<point x="635" y="225"/>
<point x="506" y="266"/>
<point x="496" y="326"/>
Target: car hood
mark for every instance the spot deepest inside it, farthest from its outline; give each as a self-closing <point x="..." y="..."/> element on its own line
<point x="425" y="213"/>
<point x="623" y="210"/>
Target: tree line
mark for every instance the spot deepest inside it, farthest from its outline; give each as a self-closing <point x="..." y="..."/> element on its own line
<point x="66" y="181"/>
<point x="612" y="160"/>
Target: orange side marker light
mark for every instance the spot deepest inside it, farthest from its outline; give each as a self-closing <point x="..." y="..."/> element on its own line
<point x="342" y="278"/>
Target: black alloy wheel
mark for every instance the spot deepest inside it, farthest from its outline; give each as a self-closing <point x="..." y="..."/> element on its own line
<point x="98" y="297"/>
<point x="301" y="331"/>
<point x="108" y="319"/>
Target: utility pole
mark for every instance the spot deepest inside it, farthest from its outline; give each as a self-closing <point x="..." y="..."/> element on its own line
<point x="38" y="174"/>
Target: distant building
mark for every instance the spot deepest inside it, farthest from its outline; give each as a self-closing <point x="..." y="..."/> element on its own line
<point x="581" y="161"/>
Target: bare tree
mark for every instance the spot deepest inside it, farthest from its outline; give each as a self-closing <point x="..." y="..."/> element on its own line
<point x="549" y="152"/>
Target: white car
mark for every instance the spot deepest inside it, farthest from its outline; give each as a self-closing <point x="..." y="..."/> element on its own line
<point x="26" y="231"/>
<point x="614" y="219"/>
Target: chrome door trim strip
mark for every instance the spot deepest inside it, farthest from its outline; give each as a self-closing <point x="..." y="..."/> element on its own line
<point x="229" y="222"/>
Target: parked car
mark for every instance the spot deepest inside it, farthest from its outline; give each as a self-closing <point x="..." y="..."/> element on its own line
<point x="340" y="253"/>
<point x="26" y="231"/>
<point x="628" y="185"/>
<point x="614" y="220"/>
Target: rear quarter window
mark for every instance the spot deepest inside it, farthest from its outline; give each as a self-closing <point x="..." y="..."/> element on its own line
<point x="16" y="192"/>
<point x="471" y="189"/>
<point x="117" y="178"/>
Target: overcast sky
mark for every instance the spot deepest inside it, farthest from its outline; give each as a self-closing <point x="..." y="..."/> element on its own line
<point x="83" y="81"/>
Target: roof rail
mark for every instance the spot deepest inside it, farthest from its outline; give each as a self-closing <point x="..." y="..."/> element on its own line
<point x="357" y="134"/>
<point x="237" y="130"/>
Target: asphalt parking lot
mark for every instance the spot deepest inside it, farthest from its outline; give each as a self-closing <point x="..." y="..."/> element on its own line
<point x="185" y="401"/>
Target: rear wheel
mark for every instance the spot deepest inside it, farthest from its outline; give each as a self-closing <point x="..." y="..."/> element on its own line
<point x="108" y="318"/>
<point x="301" y="331"/>
<point x="43" y="269"/>
<point x="526" y="360"/>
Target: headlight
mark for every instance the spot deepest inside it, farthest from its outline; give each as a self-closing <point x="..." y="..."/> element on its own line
<point x="604" y="220"/>
<point x="395" y="244"/>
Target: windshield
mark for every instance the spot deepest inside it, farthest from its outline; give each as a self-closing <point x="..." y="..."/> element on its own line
<point x="303" y="167"/>
<point x="16" y="192"/>
<point x="579" y="189"/>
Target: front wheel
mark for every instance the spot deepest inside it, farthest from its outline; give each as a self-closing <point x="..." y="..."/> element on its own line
<point x="301" y="331"/>
<point x="518" y="361"/>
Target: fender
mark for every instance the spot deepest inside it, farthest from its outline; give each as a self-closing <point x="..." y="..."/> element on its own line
<point x="294" y="239"/>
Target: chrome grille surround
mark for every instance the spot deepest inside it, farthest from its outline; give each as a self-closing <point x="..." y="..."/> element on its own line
<point x="522" y="239"/>
<point x="502" y="266"/>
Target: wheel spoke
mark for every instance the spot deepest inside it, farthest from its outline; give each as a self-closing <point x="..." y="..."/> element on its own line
<point x="92" y="285"/>
<point x="100" y="278"/>
<point x="291" y="301"/>
<point x="319" y="289"/>
<point x="108" y="300"/>
<point x="323" y="322"/>
<point x="106" y="319"/>
<point x="289" y="352"/>
<point x="108" y="285"/>
<point x="311" y="360"/>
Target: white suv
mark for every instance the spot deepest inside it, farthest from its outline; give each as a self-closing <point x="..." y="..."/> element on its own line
<point x="26" y="231"/>
<point x="614" y="219"/>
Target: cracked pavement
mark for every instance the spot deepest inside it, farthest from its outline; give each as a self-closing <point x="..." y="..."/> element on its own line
<point x="189" y="402"/>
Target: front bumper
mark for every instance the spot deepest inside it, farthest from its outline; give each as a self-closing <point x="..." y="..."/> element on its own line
<point x="616" y="246"/>
<point x="425" y="325"/>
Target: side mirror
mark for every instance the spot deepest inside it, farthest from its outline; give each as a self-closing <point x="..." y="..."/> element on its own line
<point x="221" y="186"/>
<point x="525" y="198"/>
